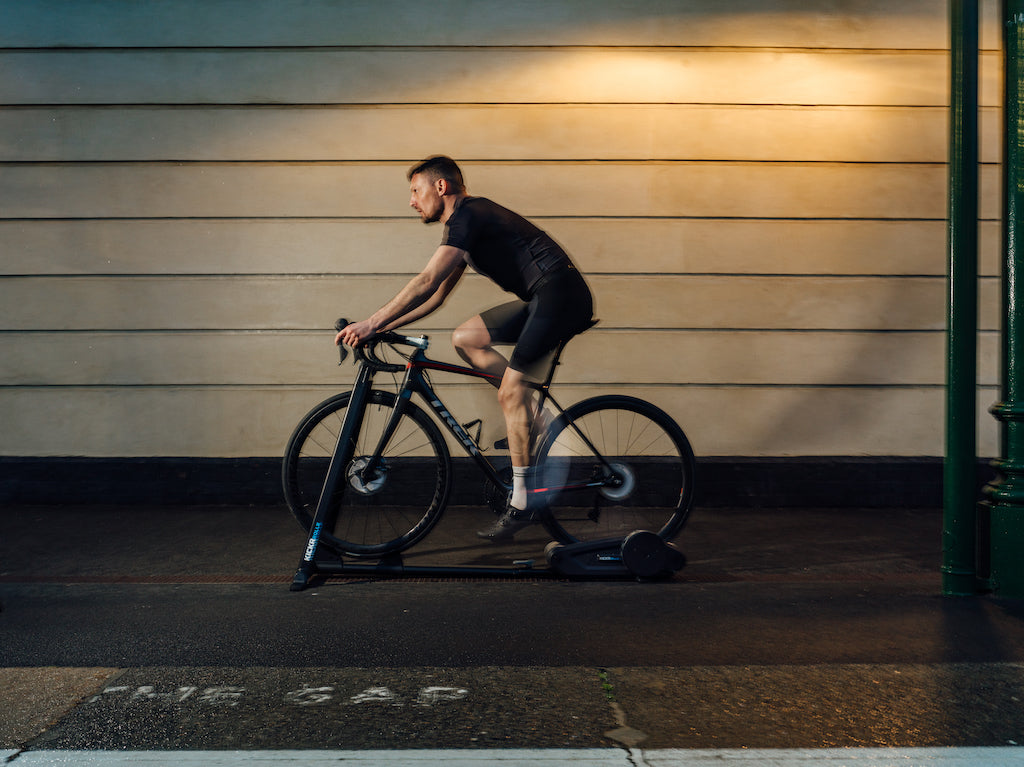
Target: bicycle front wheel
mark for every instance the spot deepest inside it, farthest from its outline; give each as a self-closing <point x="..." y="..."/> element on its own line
<point x="611" y="465"/>
<point x="386" y="511"/>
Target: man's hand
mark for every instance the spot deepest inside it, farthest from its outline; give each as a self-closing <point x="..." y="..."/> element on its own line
<point x="355" y="334"/>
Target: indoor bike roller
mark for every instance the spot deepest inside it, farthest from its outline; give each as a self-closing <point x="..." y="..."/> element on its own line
<point x="367" y="473"/>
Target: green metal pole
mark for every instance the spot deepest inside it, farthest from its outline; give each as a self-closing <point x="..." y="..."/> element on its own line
<point x="959" y="488"/>
<point x="1006" y="494"/>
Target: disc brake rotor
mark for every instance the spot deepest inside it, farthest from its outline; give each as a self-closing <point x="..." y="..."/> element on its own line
<point x="367" y="485"/>
<point x="624" y="484"/>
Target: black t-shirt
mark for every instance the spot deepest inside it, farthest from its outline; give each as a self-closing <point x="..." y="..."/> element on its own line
<point x="503" y="245"/>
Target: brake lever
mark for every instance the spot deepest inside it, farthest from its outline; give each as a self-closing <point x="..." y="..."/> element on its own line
<point x="339" y="325"/>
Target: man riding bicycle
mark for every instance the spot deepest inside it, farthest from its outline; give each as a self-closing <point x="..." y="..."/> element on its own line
<point x="554" y="304"/>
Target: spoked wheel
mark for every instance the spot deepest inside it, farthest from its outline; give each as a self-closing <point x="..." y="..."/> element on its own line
<point x="612" y="465"/>
<point x="377" y="512"/>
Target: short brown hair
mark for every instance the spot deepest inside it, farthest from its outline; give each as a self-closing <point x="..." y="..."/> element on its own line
<point x="437" y="167"/>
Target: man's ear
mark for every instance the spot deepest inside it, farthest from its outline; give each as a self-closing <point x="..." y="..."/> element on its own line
<point x="442" y="186"/>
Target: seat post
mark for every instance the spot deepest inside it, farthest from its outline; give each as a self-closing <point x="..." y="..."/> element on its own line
<point x="555" y="360"/>
<point x="554" y="364"/>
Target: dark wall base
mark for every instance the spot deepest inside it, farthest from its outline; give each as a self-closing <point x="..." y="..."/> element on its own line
<point x="826" y="482"/>
<point x="721" y="481"/>
<point x="157" y="481"/>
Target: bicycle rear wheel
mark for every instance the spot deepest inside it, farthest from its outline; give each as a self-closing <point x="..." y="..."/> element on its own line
<point x="611" y="465"/>
<point x="372" y="515"/>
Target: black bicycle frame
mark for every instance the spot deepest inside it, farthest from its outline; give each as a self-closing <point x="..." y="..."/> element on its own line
<point x="415" y="381"/>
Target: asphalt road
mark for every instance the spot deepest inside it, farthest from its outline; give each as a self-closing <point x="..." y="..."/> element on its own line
<point x="457" y="624"/>
<point x="174" y="629"/>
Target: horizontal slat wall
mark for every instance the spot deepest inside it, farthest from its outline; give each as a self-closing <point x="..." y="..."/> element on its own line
<point x="191" y="192"/>
<point x="317" y="246"/>
<point x="504" y="74"/>
<point x="243" y="23"/>
<point x="237" y="421"/>
<point x="553" y="132"/>
<point x="755" y="357"/>
<point x="683" y="302"/>
<point x="655" y="188"/>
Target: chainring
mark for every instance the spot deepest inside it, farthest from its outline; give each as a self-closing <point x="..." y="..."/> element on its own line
<point x="497" y="497"/>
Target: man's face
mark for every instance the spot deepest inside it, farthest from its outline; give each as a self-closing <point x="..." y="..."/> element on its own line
<point x="425" y="197"/>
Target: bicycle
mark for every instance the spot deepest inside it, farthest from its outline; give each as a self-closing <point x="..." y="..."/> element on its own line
<point x="368" y="474"/>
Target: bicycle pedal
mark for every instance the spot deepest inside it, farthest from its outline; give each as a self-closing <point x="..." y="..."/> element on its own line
<point x="501" y="444"/>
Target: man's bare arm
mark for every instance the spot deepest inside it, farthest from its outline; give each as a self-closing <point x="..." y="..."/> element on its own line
<point x="446" y="262"/>
<point x="432" y="304"/>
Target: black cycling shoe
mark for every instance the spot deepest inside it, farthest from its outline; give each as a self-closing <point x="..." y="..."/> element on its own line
<point x="508" y="524"/>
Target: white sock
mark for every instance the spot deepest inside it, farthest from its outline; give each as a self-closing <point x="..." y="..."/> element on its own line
<point x="520" y="494"/>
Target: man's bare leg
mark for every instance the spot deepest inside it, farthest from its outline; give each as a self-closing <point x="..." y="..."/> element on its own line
<point x="516" y="400"/>
<point x="516" y="405"/>
<point x="472" y="340"/>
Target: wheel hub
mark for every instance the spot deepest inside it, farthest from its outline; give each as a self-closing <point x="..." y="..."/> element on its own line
<point x="367" y="485"/>
<point x="621" y="484"/>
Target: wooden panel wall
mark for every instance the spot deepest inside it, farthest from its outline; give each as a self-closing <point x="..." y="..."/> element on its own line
<point x="192" y="190"/>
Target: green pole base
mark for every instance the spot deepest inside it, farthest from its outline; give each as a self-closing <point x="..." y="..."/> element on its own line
<point x="962" y="584"/>
<point x="1006" y="566"/>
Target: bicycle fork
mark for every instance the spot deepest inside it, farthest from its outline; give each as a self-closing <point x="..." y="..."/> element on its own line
<point x="343" y="452"/>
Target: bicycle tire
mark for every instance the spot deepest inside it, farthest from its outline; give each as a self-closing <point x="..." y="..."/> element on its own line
<point x="383" y="515"/>
<point x="653" y="462"/>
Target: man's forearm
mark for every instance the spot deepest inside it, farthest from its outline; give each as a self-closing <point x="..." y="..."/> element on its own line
<point x="410" y="317"/>
<point x="411" y="297"/>
<point x="430" y="305"/>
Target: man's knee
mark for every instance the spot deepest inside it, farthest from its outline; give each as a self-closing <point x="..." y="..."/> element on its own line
<point x="471" y="336"/>
<point x="513" y="392"/>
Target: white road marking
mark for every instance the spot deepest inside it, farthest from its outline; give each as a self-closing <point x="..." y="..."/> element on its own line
<point x="231" y="695"/>
<point x="592" y="757"/>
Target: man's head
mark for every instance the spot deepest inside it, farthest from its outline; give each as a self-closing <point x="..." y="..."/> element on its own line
<point x="430" y="182"/>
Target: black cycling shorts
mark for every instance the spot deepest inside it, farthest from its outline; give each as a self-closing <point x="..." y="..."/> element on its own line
<point x="560" y="308"/>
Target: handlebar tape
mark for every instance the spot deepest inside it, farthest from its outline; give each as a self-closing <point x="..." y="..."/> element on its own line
<point x="340" y="324"/>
